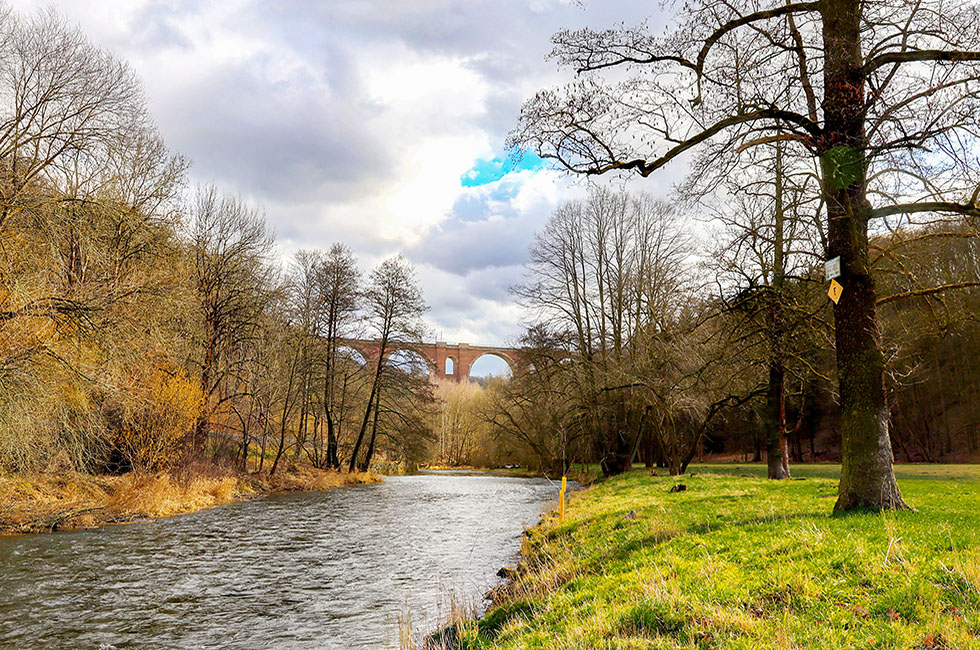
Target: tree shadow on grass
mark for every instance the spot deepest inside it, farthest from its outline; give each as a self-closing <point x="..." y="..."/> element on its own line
<point x="707" y="527"/>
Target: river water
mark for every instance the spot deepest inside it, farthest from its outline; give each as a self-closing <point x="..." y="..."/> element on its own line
<point x="330" y="570"/>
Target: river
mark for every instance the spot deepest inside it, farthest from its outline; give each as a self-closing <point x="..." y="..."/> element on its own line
<point x="333" y="570"/>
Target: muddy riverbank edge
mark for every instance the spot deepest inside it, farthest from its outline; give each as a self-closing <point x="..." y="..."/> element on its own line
<point x="35" y="503"/>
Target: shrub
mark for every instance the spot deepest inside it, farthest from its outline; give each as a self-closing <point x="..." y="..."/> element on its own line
<point x="153" y="432"/>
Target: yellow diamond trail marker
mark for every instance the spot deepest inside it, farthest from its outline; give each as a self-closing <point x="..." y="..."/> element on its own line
<point x="835" y="291"/>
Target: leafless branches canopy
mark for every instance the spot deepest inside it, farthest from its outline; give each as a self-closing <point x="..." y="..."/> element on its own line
<point x="882" y="95"/>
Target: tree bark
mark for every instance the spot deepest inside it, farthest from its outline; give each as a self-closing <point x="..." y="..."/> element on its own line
<point x="867" y="476"/>
<point x="330" y="367"/>
<point x="777" y="451"/>
<point x="333" y="461"/>
<point x="375" y="387"/>
<point x="265" y="431"/>
<point x="366" y="464"/>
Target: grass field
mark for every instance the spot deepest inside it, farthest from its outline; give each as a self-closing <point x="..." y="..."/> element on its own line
<point x="737" y="561"/>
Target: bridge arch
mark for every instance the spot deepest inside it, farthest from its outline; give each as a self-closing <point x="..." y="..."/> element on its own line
<point x="353" y="352"/>
<point x="508" y="361"/>
<point x="410" y="360"/>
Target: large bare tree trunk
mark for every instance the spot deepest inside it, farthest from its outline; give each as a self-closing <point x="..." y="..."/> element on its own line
<point x="202" y="428"/>
<point x="867" y="476"/>
<point x="366" y="463"/>
<point x="333" y="461"/>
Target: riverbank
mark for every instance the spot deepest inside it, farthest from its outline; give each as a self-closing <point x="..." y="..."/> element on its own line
<point x="736" y="561"/>
<point x="581" y="474"/>
<point x="47" y="502"/>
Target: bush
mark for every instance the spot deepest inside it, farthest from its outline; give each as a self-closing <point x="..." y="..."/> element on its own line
<point x="153" y="432"/>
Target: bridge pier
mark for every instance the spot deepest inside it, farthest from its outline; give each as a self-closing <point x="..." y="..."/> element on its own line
<point x="441" y="353"/>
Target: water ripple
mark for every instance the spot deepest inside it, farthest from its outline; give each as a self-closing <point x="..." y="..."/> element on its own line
<point x="327" y="570"/>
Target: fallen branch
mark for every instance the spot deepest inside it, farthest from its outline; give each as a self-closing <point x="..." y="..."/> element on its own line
<point x="51" y="523"/>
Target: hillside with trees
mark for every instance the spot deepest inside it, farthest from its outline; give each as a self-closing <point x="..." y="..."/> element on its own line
<point x="147" y="325"/>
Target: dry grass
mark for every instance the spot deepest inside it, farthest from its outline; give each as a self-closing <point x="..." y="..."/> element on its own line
<point x="304" y="478"/>
<point x="451" y="621"/>
<point x="163" y="495"/>
<point x="31" y="503"/>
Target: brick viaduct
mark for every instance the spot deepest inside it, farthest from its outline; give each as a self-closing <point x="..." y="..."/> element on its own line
<point x="438" y="354"/>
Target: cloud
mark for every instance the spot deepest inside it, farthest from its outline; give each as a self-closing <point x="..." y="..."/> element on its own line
<point x="379" y="123"/>
<point x="464" y="310"/>
<point x="492" y="224"/>
<point x="156" y="26"/>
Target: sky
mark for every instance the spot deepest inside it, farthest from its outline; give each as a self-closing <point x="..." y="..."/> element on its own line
<point x="380" y="124"/>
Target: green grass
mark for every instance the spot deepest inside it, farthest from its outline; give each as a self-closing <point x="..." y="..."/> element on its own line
<point x="740" y="562"/>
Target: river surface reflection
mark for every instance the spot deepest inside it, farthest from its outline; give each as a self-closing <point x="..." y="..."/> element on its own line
<point x="312" y="570"/>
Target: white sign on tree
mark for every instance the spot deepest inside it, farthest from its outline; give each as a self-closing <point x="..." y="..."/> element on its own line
<point x="832" y="268"/>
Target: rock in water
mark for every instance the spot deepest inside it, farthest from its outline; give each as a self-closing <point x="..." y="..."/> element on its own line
<point x="506" y="573"/>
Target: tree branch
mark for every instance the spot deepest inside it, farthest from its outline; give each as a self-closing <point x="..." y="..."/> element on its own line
<point x="926" y="292"/>
<point x="968" y="209"/>
<point x="741" y="21"/>
<point x="645" y="167"/>
<point x="952" y="56"/>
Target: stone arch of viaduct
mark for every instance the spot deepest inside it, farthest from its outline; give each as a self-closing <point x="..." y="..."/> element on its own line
<point x="462" y="355"/>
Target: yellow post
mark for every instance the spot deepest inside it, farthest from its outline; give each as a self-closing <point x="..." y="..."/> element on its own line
<point x="561" y="501"/>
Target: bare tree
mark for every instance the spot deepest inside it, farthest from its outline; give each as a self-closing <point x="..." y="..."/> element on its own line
<point x="602" y="271"/>
<point x="538" y="410"/>
<point x="404" y="410"/>
<point x="72" y="123"/>
<point x="88" y="256"/>
<point x="65" y="105"/>
<point x="764" y="266"/>
<point x="893" y="121"/>
<point x="302" y="309"/>
<point x="231" y="246"/>
<point x="393" y="308"/>
<point x="339" y="290"/>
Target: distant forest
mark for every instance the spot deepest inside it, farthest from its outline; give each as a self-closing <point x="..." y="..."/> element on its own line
<point x="145" y="325"/>
<point x="672" y="338"/>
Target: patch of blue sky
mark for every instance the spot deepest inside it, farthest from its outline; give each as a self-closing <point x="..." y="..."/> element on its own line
<point x="490" y="171"/>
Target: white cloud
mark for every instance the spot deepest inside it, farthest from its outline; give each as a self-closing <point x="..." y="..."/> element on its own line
<point x="353" y="121"/>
